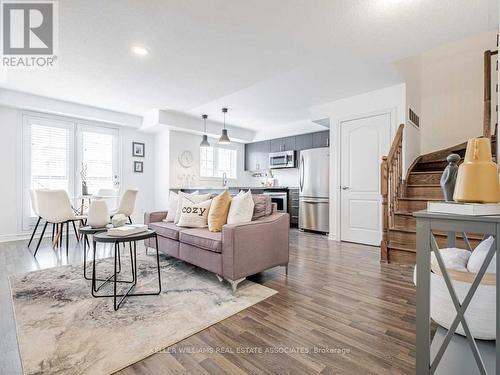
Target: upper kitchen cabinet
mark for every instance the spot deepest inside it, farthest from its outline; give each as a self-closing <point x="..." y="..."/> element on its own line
<point x="304" y="142"/>
<point x="321" y="139"/>
<point x="283" y="144"/>
<point x="257" y="155"/>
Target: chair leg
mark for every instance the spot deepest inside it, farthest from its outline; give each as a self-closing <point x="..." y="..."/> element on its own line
<point x="130" y="220"/>
<point x="53" y="231"/>
<point x="40" y="240"/>
<point x="34" y="230"/>
<point x="76" y="232"/>
<point x="67" y="237"/>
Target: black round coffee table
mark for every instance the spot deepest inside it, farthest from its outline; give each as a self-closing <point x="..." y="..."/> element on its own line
<point x="132" y="241"/>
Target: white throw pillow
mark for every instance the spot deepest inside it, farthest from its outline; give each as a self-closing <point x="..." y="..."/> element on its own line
<point x="173" y="202"/>
<point x="194" y="197"/>
<point x="478" y="256"/>
<point x="194" y="214"/>
<point x="241" y="209"/>
<point x="453" y="258"/>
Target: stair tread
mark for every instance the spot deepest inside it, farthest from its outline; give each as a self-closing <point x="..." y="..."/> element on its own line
<point x="423" y="185"/>
<point x="421" y="199"/>
<point x="425" y="172"/>
<point x="405" y="213"/>
<point x="398" y="246"/>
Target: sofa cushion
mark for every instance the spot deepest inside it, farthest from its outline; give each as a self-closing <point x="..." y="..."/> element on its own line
<point x="263" y="206"/>
<point x="169" y="230"/>
<point x="202" y="238"/>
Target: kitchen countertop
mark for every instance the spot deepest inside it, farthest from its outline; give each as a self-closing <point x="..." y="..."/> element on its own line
<point x="236" y="187"/>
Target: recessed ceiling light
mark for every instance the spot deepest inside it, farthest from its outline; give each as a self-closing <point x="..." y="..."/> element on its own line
<point x="140" y="51"/>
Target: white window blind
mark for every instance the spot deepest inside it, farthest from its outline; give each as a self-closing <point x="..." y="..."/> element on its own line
<point x="215" y="161"/>
<point x="97" y="156"/>
<point x="49" y="162"/>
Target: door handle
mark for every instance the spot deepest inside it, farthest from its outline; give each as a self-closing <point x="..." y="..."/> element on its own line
<point x="301" y="179"/>
<point x="345" y="187"/>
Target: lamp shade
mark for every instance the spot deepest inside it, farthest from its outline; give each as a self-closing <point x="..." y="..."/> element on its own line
<point x="204" y="141"/>
<point x="224" y="139"/>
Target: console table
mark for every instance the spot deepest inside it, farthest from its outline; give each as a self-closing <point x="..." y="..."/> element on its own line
<point x="427" y="222"/>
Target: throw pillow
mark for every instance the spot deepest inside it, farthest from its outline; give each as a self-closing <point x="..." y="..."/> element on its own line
<point x="241" y="209"/>
<point x="453" y="258"/>
<point x="217" y="216"/>
<point x="263" y="206"/>
<point x="478" y="256"/>
<point x="173" y="202"/>
<point x="194" y="214"/>
<point x="195" y="197"/>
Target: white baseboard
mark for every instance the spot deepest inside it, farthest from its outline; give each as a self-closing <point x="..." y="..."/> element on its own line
<point x="21" y="237"/>
<point x="333" y="237"/>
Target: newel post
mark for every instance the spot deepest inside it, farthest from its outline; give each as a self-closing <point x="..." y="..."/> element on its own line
<point x="384" y="189"/>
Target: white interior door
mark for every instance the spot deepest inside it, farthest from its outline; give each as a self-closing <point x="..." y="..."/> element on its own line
<point x="364" y="142"/>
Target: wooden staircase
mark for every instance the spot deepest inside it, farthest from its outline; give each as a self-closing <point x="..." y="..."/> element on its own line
<point x="400" y="198"/>
<point x="420" y="186"/>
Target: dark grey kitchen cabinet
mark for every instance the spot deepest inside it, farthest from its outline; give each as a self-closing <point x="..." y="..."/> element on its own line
<point x="283" y="144"/>
<point x="304" y="142"/>
<point x="321" y="139"/>
<point x="257" y="155"/>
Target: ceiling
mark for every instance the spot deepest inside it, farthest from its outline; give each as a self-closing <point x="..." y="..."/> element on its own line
<point x="268" y="61"/>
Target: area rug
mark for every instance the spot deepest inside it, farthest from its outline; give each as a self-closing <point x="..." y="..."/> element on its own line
<point x="61" y="328"/>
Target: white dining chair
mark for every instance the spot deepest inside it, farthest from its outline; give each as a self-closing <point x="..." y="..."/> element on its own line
<point x="54" y="207"/>
<point x="110" y="196"/>
<point x="34" y="207"/>
<point x="127" y="204"/>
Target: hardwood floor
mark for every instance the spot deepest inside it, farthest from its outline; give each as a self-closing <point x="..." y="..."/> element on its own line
<point x="339" y="311"/>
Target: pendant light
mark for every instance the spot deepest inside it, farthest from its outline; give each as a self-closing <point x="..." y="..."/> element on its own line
<point x="224" y="139"/>
<point x="204" y="139"/>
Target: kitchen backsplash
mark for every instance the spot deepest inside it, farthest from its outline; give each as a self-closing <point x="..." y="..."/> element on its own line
<point x="285" y="177"/>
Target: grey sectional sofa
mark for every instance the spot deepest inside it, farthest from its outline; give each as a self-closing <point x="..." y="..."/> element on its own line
<point x="238" y="251"/>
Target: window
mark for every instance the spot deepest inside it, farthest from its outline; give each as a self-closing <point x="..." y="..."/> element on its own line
<point x="54" y="151"/>
<point x="215" y="161"/>
<point x="49" y="162"/>
<point x="98" y="153"/>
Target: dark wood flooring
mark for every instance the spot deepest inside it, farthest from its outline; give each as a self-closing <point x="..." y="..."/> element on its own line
<point x="339" y="311"/>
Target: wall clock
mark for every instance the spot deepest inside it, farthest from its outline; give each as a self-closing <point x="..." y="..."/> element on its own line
<point x="186" y="159"/>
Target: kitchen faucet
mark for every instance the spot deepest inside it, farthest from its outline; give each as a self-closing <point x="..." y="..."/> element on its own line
<point x="224" y="179"/>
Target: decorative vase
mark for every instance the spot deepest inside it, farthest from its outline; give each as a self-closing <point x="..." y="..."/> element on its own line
<point x="119" y="220"/>
<point x="98" y="215"/>
<point x="449" y="177"/>
<point x="84" y="189"/>
<point x="477" y="180"/>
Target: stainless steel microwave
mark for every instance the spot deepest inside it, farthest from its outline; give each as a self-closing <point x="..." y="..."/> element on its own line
<point x="283" y="159"/>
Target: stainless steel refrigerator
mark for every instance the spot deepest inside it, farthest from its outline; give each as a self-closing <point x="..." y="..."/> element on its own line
<point x="314" y="168"/>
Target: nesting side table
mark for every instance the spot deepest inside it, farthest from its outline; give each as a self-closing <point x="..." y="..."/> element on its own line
<point x="132" y="242"/>
<point x="427" y="222"/>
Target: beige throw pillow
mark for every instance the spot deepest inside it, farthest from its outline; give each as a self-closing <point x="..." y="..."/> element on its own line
<point x="194" y="215"/>
<point x="219" y="209"/>
<point x="241" y="209"/>
<point x="196" y="198"/>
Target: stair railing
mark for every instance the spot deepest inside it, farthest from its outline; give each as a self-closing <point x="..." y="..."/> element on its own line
<point x="391" y="180"/>
<point x="487" y="94"/>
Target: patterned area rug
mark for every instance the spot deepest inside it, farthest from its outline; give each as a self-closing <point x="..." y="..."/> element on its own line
<point x="61" y="328"/>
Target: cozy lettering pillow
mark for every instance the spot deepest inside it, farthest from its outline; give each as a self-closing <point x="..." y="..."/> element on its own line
<point x="194" y="215"/>
<point x="241" y="209"/>
<point x="194" y="197"/>
<point x="219" y="209"/>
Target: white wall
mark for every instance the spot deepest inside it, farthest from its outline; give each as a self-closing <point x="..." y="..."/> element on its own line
<point x="452" y="92"/>
<point x="387" y="100"/>
<point x="162" y="168"/>
<point x="11" y="152"/>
